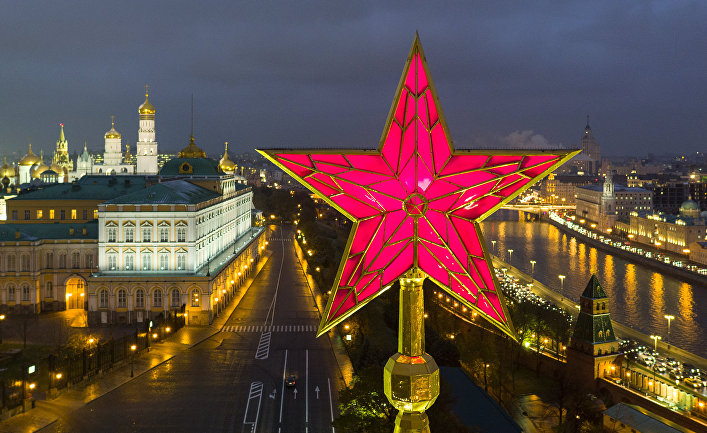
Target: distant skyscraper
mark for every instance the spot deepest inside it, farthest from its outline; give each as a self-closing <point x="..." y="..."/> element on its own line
<point x="146" y="144"/>
<point x="591" y="150"/>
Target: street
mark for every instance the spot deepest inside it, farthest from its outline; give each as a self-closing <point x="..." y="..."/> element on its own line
<point x="235" y="380"/>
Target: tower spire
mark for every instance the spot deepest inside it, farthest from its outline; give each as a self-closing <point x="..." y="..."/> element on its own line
<point x="112" y="121"/>
<point x="61" y="134"/>
<point x="147" y="86"/>
<point x="192" y="116"/>
<point x="587" y="120"/>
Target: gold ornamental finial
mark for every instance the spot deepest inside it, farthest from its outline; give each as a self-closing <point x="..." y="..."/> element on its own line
<point x="112" y="121"/>
<point x="147" y="86"/>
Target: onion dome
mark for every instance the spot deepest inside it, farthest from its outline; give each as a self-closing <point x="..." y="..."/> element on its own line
<point x="226" y="165"/>
<point x="30" y="158"/>
<point x="6" y="170"/>
<point x="112" y="133"/>
<point x="40" y="168"/>
<point x="146" y="109"/>
<point x="192" y="151"/>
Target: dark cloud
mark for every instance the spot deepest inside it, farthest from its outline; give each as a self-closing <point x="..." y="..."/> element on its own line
<point x="323" y="73"/>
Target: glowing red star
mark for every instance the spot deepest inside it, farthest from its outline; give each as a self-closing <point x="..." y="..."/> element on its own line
<point x="416" y="201"/>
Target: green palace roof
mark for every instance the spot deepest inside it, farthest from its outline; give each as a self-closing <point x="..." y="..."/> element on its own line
<point x="87" y="188"/>
<point x="191" y="167"/>
<point x="34" y="232"/>
<point x="170" y="192"/>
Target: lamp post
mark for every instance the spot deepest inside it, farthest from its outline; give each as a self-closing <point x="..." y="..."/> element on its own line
<point x="655" y="338"/>
<point x="132" y="360"/>
<point x="2" y="320"/>
<point x="669" y="317"/>
<point x="532" y="267"/>
<point x="486" y="386"/>
<point x="562" y="281"/>
<point x="510" y="256"/>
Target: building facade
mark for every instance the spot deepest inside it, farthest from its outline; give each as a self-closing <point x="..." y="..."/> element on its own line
<point x="673" y="233"/>
<point x="603" y="205"/>
<point x="45" y="267"/>
<point x="180" y="246"/>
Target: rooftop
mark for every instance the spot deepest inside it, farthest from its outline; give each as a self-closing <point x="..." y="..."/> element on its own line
<point x="190" y="166"/>
<point x="170" y="192"/>
<point x="594" y="289"/>
<point x="34" y="232"/>
<point x="87" y="188"/>
<point x="642" y="420"/>
<point x="617" y="188"/>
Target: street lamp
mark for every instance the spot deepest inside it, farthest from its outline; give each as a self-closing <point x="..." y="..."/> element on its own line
<point x="493" y="244"/>
<point x="132" y="360"/>
<point x="2" y="320"/>
<point x="510" y="256"/>
<point x="667" y="316"/>
<point x="486" y="386"/>
<point x="655" y="338"/>
<point x="532" y="267"/>
<point x="562" y="281"/>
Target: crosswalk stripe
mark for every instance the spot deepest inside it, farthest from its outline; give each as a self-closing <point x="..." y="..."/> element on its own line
<point x="270" y="328"/>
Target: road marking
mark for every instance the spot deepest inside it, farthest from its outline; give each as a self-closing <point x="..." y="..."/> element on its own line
<point x="256" y="392"/>
<point x="331" y="405"/>
<point x="268" y="328"/>
<point x="282" y="394"/>
<point x="295" y="393"/>
<point x="264" y="346"/>
<point x="273" y="393"/>
<point x="316" y="389"/>
<point x="306" y="390"/>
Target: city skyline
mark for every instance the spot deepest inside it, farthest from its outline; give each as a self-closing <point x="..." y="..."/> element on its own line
<point x="319" y="75"/>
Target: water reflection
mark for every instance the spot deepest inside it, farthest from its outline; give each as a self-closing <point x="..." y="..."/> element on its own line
<point x="639" y="296"/>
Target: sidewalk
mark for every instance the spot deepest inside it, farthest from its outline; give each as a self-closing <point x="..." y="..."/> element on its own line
<point x="48" y="411"/>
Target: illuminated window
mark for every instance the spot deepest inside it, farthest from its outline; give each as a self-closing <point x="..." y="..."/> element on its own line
<point x="73" y="214"/>
<point x="164" y="234"/>
<point x="129" y="262"/>
<point x="195" y="298"/>
<point x="146" y="261"/>
<point x="129" y="234"/>
<point x="39" y="214"/>
<point x="112" y="261"/>
<point x="51" y="214"/>
<point x="147" y="234"/>
<point x="95" y="214"/>
<point x="164" y="261"/>
<point x="112" y="234"/>
<point x="181" y="261"/>
<point x="181" y="234"/>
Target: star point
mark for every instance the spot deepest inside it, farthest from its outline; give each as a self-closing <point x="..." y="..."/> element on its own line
<point x="416" y="202"/>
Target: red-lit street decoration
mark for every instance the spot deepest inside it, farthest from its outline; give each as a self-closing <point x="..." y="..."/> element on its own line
<point x="416" y="202"/>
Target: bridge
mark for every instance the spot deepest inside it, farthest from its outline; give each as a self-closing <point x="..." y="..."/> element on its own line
<point x="538" y="208"/>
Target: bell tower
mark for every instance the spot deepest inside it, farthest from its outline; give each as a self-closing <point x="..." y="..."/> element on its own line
<point x="146" y="144"/>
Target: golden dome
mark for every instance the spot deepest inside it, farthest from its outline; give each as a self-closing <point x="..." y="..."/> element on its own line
<point x="225" y="163"/>
<point x="40" y="168"/>
<point x="57" y="168"/>
<point x="112" y="133"/>
<point x="146" y="108"/>
<point x="30" y="158"/>
<point x="192" y="151"/>
<point x="7" y="170"/>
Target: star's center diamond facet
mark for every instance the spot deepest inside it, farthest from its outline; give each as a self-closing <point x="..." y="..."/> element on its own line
<point x="415" y="205"/>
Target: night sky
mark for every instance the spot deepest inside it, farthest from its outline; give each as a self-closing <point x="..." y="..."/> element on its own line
<point x="323" y="73"/>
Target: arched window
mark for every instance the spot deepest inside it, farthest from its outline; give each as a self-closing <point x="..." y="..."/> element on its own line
<point x="122" y="299"/>
<point x="603" y="306"/>
<point x="176" y="302"/>
<point x="49" y="293"/>
<point x="157" y="298"/>
<point x="140" y="298"/>
<point x="75" y="260"/>
<point x="195" y="302"/>
<point x="103" y="299"/>
<point x="11" y="294"/>
<point x="25" y="292"/>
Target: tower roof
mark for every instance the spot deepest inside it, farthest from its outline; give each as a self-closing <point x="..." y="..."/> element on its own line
<point x="225" y="163"/>
<point x="30" y="158"/>
<point x="594" y="289"/>
<point x="146" y="108"/>
<point x="192" y="150"/>
<point x="112" y="133"/>
<point x="62" y="138"/>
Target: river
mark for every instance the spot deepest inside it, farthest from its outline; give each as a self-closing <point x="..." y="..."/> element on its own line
<point x="639" y="296"/>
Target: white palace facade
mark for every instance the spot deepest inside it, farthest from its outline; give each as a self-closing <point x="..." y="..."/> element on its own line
<point x="179" y="246"/>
